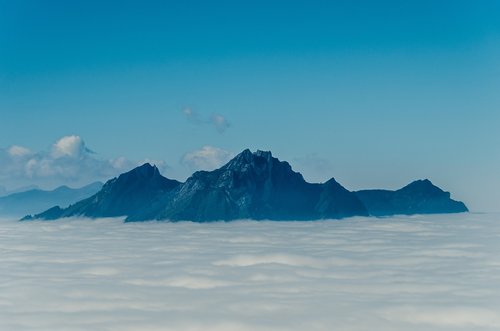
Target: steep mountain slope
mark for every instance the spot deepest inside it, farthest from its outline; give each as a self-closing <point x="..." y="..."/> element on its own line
<point x="257" y="186"/>
<point x="129" y="193"/>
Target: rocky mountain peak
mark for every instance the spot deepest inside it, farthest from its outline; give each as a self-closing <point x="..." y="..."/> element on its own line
<point x="247" y="157"/>
<point x="423" y="186"/>
<point x="144" y="171"/>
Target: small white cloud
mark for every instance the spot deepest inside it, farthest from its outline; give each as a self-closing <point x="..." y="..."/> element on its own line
<point x="187" y="111"/>
<point x="18" y="151"/>
<point x="121" y="163"/>
<point x="69" y="146"/>
<point x="220" y="122"/>
<point x="206" y="158"/>
<point x="192" y="116"/>
<point x="314" y="167"/>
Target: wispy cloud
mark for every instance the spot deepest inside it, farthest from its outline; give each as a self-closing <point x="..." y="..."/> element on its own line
<point x="218" y="121"/>
<point x="206" y="158"/>
<point x="191" y="115"/>
<point x="314" y="167"/>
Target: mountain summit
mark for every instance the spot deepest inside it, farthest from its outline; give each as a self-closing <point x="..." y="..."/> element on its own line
<point x="257" y="186"/>
<point x="250" y="186"/>
<point x="125" y="195"/>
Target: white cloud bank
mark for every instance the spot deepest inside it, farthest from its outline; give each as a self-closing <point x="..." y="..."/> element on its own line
<point x="411" y="273"/>
<point x="69" y="161"/>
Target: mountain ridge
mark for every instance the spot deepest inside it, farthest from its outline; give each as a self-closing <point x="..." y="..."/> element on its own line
<point x="33" y="200"/>
<point x="250" y="186"/>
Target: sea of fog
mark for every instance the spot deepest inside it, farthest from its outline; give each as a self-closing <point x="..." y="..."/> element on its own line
<point x="439" y="272"/>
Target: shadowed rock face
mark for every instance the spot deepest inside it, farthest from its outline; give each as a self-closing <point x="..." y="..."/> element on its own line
<point x="250" y="186"/>
<point x="419" y="197"/>
<point x="258" y="186"/>
<point x="130" y="193"/>
<point x="336" y="200"/>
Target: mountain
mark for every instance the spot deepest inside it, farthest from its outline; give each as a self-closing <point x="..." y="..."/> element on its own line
<point x="251" y="186"/>
<point x="4" y="192"/>
<point x="256" y="186"/>
<point x="130" y="193"/>
<point x="34" y="200"/>
<point x="419" y="197"/>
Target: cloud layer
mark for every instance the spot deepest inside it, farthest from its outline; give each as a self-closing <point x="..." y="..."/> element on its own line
<point x="415" y="273"/>
<point x="68" y="161"/>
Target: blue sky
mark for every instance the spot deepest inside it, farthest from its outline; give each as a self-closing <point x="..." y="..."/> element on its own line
<point x="375" y="94"/>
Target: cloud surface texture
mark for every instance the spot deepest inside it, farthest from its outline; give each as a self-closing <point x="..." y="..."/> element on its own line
<point x="409" y="273"/>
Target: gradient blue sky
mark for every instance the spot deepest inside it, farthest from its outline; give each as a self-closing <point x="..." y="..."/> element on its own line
<point x="374" y="93"/>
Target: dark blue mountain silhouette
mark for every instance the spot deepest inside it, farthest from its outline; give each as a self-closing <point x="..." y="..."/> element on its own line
<point x="419" y="197"/>
<point x="250" y="186"/>
<point x="135" y="190"/>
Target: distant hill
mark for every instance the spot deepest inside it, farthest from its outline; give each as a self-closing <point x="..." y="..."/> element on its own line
<point x="4" y="192"/>
<point x="34" y="200"/>
<point x="251" y="186"/>
<point x="419" y="197"/>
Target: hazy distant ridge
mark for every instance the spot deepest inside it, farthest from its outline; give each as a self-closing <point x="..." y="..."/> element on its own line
<point x="34" y="200"/>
